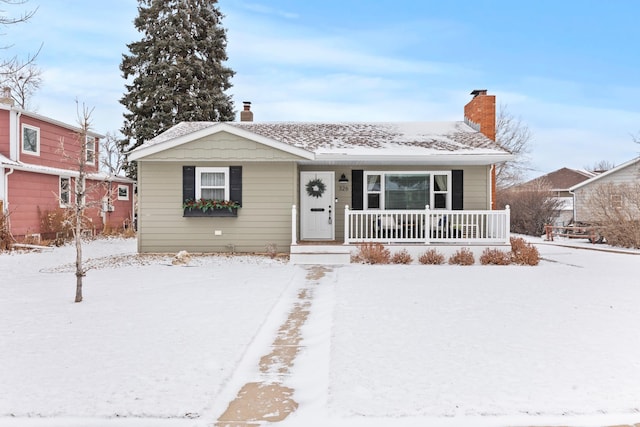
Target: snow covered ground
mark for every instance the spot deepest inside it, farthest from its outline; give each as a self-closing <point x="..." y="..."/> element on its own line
<point x="154" y="344"/>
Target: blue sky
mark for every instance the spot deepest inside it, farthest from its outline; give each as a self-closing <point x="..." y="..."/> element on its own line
<point x="568" y="69"/>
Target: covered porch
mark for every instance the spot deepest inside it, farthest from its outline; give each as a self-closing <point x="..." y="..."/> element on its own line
<point x="414" y="230"/>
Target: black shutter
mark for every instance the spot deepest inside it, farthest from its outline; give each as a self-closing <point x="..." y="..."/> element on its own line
<point x="188" y="183"/>
<point x="357" y="189"/>
<point x="456" y="190"/>
<point x="235" y="184"/>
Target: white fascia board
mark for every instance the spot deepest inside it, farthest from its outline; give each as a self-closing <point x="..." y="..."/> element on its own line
<point x="95" y="176"/>
<point x="603" y="174"/>
<point x="446" y="159"/>
<point x="40" y="117"/>
<point x="141" y="152"/>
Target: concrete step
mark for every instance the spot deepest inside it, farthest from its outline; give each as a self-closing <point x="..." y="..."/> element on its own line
<point x="320" y="254"/>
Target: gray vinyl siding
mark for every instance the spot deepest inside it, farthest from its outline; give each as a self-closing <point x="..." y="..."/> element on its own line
<point x="627" y="175"/>
<point x="264" y="219"/>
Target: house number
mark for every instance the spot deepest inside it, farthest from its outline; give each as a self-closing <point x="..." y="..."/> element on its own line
<point x="343" y="187"/>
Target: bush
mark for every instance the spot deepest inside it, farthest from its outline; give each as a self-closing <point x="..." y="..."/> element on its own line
<point x="372" y="253"/>
<point x="463" y="256"/>
<point x="533" y="205"/>
<point x="5" y="236"/>
<point x="55" y="224"/>
<point x="517" y="243"/>
<point x="495" y="257"/>
<point x="524" y="253"/>
<point x="616" y="209"/>
<point x="624" y="234"/>
<point x="431" y="257"/>
<point x="401" y="257"/>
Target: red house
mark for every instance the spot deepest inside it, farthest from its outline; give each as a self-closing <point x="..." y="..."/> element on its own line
<point x="39" y="160"/>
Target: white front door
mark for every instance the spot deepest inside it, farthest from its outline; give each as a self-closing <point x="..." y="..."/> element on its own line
<point x="317" y="208"/>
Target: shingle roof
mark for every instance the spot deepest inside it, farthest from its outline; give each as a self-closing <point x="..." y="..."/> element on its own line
<point x="441" y="137"/>
<point x="562" y="179"/>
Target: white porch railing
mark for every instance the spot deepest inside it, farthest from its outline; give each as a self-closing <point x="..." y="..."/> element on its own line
<point x="426" y="226"/>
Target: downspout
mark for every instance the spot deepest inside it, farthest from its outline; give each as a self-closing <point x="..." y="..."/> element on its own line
<point x="6" y="204"/>
<point x="133" y="196"/>
<point x="574" y="206"/>
<point x="14" y="144"/>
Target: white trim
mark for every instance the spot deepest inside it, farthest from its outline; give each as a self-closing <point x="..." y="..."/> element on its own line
<point x="64" y="172"/>
<point x="200" y="171"/>
<point x="31" y="114"/>
<point x="94" y="151"/>
<point x="602" y="175"/>
<point x="147" y="150"/>
<point x="411" y="159"/>
<point x="125" y="187"/>
<point x="431" y="174"/>
<point x="33" y="128"/>
<point x="69" y="192"/>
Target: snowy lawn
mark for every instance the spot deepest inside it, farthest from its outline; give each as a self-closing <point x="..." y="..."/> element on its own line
<point x="384" y="345"/>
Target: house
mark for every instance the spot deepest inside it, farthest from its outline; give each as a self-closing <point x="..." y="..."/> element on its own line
<point x="558" y="184"/>
<point x="617" y="189"/>
<point x="37" y="176"/>
<point x="295" y="184"/>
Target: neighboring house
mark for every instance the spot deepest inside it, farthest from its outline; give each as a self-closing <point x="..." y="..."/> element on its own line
<point x="613" y="182"/>
<point x="558" y="184"/>
<point x="37" y="178"/>
<point x="299" y="183"/>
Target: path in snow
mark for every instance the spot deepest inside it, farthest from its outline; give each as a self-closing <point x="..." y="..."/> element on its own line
<point x="268" y="399"/>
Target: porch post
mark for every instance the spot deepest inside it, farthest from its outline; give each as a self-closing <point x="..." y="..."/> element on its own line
<point x="507" y="214"/>
<point x="294" y="226"/>
<point x="347" y="224"/>
<point x="427" y="226"/>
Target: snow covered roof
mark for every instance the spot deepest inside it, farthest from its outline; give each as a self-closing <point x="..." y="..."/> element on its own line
<point x="330" y="141"/>
<point x="98" y="176"/>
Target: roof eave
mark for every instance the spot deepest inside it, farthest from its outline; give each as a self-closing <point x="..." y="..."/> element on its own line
<point x="604" y="174"/>
<point x="142" y="152"/>
<point x="425" y="159"/>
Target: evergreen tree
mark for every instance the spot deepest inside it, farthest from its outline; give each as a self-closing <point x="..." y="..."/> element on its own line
<point x="176" y="72"/>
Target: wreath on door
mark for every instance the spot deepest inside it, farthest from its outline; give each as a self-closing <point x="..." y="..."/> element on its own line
<point x="316" y="188"/>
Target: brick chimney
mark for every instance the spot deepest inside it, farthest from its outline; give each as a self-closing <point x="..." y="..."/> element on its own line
<point x="246" y="115"/>
<point x="481" y="112"/>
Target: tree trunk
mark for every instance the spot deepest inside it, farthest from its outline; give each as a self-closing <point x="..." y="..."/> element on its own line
<point x="78" y="287"/>
<point x="79" y="271"/>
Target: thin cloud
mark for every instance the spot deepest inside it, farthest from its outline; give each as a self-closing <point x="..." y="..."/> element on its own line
<point x="266" y="10"/>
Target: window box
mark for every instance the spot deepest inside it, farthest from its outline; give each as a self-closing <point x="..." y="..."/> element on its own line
<point x="210" y="208"/>
<point x="195" y="213"/>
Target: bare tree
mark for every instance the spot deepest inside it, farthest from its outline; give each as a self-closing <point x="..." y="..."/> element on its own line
<point x="76" y="212"/>
<point x="84" y="120"/>
<point x="23" y="79"/>
<point x="112" y="160"/>
<point x="615" y="209"/>
<point x="532" y="207"/>
<point x="600" y="166"/>
<point x="514" y="136"/>
<point x="7" y="20"/>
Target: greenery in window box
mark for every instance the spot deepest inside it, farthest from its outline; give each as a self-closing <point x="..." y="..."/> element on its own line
<point x="206" y="205"/>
